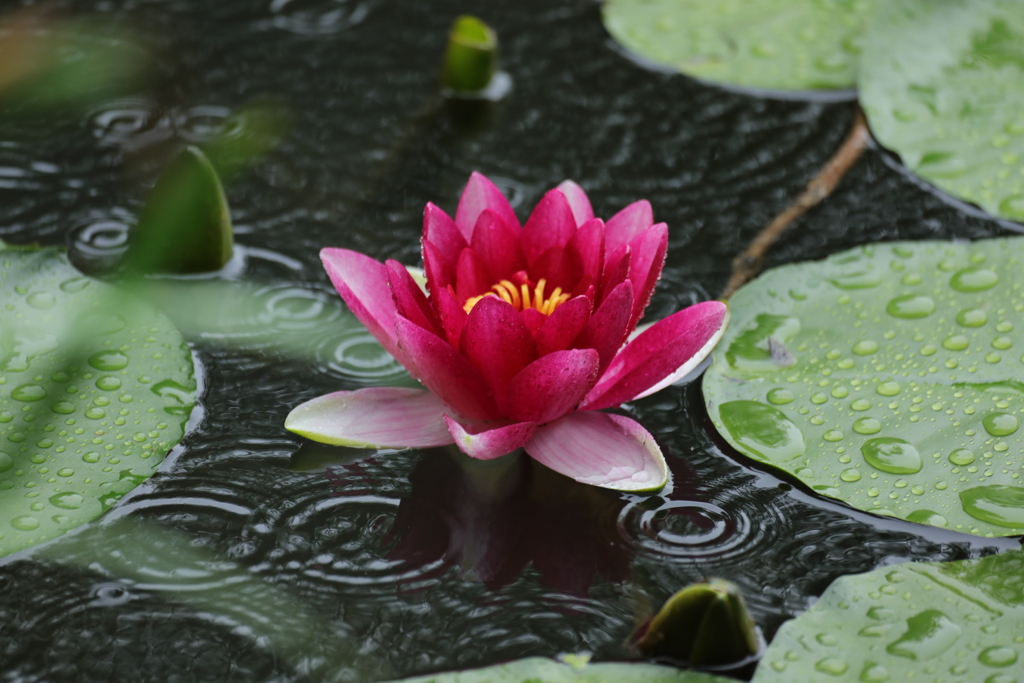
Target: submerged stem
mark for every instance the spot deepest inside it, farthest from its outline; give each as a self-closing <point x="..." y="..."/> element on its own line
<point x="748" y="264"/>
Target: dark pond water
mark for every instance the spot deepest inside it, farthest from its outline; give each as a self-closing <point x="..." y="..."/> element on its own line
<point x="255" y="556"/>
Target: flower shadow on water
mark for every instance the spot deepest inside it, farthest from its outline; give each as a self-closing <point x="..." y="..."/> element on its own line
<point x="494" y="519"/>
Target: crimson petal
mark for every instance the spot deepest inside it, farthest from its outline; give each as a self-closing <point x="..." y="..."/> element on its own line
<point x="472" y="278"/>
<point x="608" y="326"/>
<point x="588" y="246"/>
<point x="627" y="224"/>
<point x="601" y="449"/>
<point x="492" y="443"/>
<point x="647" y="258"/>
<point x="497" y="342"/>
<point x="550" y="225"/>
<point x="679" y="342"/>
<point x="451" y="312"/>
<point x="563" y="326"/>
<point x="497" y="244"/>
<point x="409" y="298"/>
<point x="479" y="195"/>
<point x="552" y="386"/>
<point x="578" y="201"/>
<point x="444" y="371"/>
<point x="441" y="230"/>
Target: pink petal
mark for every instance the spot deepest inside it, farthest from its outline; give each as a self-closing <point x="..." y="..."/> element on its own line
<point x="677" y="343"/>
<point x="578" y="201"/>
<point x="588" y="245"/>
<point x="627" y="224"/>
<point x="409" y="298"/>
<point x="385" y="417"/>
<point x="616" y="269"/>
<point x="552" y="386"/>
<point x="550" y="225"/>
<point x="441" y="230"/>
<point x="601" y="449"/>
<point x="492" y="443"/>
<point x="497" y="342"/>
<point x="608" y="326"/>
<point x="363" y="284"/>
<point x="481" y="194"/>
<point x="444" y="371"/>
<point x="647" y="257"/>
<point x="472" y="278"/>
<point x="558" y="267"/>
<point x="439" y="269"/>
<point x="533" y="319"/>
<point x="497" y="244"/>
<point x="451" y="313"/>
<point x="563" y="326"/>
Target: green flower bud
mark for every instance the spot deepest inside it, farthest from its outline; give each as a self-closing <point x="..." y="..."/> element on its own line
<point x="705" y="624"/>
<point x="472" y="56"/>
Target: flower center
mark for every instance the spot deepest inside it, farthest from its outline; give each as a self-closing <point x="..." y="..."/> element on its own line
<point x="523" y="297"/>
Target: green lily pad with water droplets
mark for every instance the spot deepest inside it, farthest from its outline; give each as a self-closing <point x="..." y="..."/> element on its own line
<point x="942" y="84"/>
<point x="95" y="388"/>
<point x="890" y="377"/>
<point x="768" y="44"/>
<point x="541" y="670"/>
<point x="929" y="621"/>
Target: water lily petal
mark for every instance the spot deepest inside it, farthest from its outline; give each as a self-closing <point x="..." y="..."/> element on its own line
<point x="492" y="443"/>
<point x="616" y="269"/>
<point x="472" y="278"/>
<point x="533" y="319"/>
<point x="647" y="257"/>
<point x="439" y="269"/>
<point x="363" y="284"/>
<point x="552" y="386"/>
<point x="627" y="224"/>
<point x="601" y="449"/>
<point x="588" y="246"/>
<point x="379" y="417"/>
<point x="559" y="267"/>
<point x="578" y="201"/>
<point x="608" y="326"/>
<point x="497" y="244"/>
<point x="441" y="230"/>
<point x="443" y="370"/>
<point x="481" y="194"/>
<point x="563" y="326"/>
<point x="451" y="313"/>
<point x="409" y="298"/>
<point x="496" y="340"/>
<point x="673" y="345"/>
<point x="550" y="225"/>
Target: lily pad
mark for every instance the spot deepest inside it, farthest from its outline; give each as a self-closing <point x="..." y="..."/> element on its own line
<point x="540" y="670"/>
<point x="961" y="621"/>
<point x="768" y="44"/>
<point x="889" y="377"/>
<point x="942" y="84"/>
<point x="95" y="388"/>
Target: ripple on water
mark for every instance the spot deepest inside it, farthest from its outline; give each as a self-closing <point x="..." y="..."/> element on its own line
<point x="318" y="17"/>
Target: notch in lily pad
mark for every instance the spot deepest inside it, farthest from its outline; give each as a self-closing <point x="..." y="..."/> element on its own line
<point x="705" y="624"/>
<point x="185" y="226"/>
<point x="471" y="58"/>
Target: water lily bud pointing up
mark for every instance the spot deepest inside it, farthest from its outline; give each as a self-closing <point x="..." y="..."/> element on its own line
<point x="185" y="226"/>
<point x="705" y="624"/>
<point x="472" y="56"/>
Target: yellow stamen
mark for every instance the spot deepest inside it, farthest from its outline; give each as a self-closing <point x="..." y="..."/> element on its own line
<point x="520" y="298"/>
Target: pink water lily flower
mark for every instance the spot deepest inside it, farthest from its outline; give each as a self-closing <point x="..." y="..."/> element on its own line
<point x="521" y="339"/>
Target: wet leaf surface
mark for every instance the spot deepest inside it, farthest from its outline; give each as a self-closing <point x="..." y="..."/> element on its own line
<point x="770" y="44"/>
<point x="964" y="619"/>
<point x="538" y="670"/>
<point x="942" y="85"/>
<point x="95" y="389"/>
<point x="888" y="377"/>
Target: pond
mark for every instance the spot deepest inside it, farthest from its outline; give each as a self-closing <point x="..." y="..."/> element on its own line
<point x="256" y="555"/>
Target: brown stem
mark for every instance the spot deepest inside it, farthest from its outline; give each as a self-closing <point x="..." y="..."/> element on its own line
<point x="748" y="264"/>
